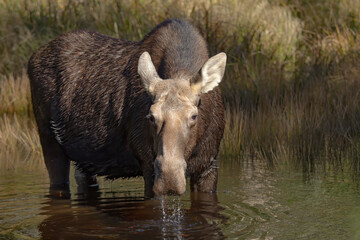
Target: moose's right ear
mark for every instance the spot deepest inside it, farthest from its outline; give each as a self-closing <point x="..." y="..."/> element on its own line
<point x="147" y="72"/>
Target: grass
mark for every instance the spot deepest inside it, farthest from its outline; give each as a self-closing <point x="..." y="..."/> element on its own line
<point x="15" y="95"/>
<point x="291" y="88"/>
<point x="19" y="143"/>
<point x="18" y="134"/>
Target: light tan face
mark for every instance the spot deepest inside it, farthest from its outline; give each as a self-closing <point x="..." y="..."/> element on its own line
<point x="175" y="102"/>
<point x="173" y="118"/>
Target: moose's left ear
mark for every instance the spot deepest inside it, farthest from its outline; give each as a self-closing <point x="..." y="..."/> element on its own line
<point x="211" y="73"/>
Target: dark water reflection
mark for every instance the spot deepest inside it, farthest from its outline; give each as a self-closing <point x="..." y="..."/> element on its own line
<point x="252" y="203"/>
<point x="128" y="218"/>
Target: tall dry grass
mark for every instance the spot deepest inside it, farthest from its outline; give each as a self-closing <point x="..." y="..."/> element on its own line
<point x="291" y="87"/>
<point x="226" y="24"/>
<point x="15" y="95"/>
<point x="19" y="141"/>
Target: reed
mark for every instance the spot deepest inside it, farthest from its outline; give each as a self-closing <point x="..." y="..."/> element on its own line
<point x="25" y="25"/>
<point x="15" y="95"/>
<point x="19" y="143"/>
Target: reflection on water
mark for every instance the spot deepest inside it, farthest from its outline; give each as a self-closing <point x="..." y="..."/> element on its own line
<point x="120" y="217"/>
<point x="252" y="203"/>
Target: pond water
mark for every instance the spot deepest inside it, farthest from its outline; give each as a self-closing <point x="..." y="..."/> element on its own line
<point x="252" y="202"/>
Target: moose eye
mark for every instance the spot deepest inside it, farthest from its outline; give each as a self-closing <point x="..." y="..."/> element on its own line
<point x="193" y="117"/>
<point x="151" y="118"/>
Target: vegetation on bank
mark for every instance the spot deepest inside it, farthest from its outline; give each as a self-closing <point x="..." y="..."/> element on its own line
<point x="292" y="84"/>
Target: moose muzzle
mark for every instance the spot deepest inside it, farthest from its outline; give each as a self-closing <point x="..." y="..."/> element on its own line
<point x="169" y="176"/>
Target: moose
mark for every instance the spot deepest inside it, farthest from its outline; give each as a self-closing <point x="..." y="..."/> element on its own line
<point x="125" y="109"/>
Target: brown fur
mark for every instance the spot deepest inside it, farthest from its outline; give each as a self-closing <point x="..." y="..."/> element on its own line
<point x="91" y="106"/>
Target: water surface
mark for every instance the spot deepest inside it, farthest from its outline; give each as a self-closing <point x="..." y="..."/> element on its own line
<point x="252" y="202"/>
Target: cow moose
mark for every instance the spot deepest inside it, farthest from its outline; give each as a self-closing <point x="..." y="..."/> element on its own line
<point x="124" y="109"/>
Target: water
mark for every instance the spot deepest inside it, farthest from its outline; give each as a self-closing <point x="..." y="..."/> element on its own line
<point x="252" y="202"/>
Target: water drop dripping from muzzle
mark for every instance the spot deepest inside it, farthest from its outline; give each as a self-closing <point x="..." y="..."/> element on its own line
<point x="172" y="217"/>
<point x="171" y="209"/>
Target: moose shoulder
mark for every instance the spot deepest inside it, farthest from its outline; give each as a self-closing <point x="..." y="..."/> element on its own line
<point x="124" y="109"/>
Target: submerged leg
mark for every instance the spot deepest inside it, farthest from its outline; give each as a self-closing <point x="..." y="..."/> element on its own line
<point x="207" y="180"/>
<point x="58" y="166"/>
<point x="149" y="184"/>
<point x="85" y="182"/>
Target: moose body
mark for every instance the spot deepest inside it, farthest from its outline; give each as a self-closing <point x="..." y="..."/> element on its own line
<point x="124" y="109"/>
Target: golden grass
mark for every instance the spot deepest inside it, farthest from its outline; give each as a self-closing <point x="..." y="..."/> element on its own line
<point x="19" y="142"/>
<point x="25" y="25"/>
<point x="231" y="145"/>
<point x="15" y="95"/>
